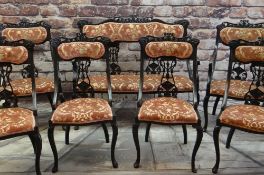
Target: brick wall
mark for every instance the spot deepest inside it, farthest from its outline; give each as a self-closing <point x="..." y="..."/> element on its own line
<point x="203" y="15"/>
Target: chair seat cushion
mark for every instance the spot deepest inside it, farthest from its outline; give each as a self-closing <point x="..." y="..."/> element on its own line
<point x="248" y="117"/>
<point x="238" y="88"/>
<point x="16" y="120"/>
<point x="129" y="83"/>
<point x="167" y="110"/>
<point x="81" y="111"/>
<point x="23" y="87"/>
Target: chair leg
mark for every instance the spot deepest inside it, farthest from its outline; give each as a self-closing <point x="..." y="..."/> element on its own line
<point x="38" y="143"/>
<point x="229" y="138"/>
<point x="205" y="106"/>
<point x="105" y="133"/>
<point x="67" y="135"/>
<point x="147" y="132"/>
<point x="199" y="138"/>
<point x="217" y="150"/>
<point x="53" y="147"/>
<point x="114" y="139"/>
<point x="32" y="139"/>
<point x="215" y="105"/>
<point x="49" y="95"/>
<point x="184" y="129"/>
<point x="136" y="141"/>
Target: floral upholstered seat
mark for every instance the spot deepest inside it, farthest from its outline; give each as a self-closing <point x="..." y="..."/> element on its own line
<point x="167" y="110"/>
<point x="15" y="121"/>
<point x="129" y="83"/>
<point x="81" y="111"/>
<point x="238" y="88"/>
<point x="23" y="87"/>
<point x="248" y="117"/>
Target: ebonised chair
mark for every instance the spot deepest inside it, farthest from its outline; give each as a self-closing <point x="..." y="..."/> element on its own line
<point x="227" y="32"/>
<point x="38" y="33"/>
<point x="83" y="108"/>
<point x="17" y="121"/>
<point x="248" y="117"/>
<point x="167" y="109"/>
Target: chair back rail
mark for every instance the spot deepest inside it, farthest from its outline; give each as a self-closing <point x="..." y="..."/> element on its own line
<point x="15" y="53"/>
<point x="80" y="51"/>
<point x="167" y="50"/>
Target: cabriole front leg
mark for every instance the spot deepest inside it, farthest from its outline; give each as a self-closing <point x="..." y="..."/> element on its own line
<point x="199" y="138"/>
<point x="53" y="147"/>
<point x="217" y="150"/>
<point x="114" y="139"/>
<point x="136" y="141"/>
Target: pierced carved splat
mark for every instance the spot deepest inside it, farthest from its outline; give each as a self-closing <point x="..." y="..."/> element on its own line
<point x="167" y="86"/>
<point x="114" y="67"/>
<point x="239" y="72"/>
<point x="153" y="67"/>
<point x="82" y="84"/>
<point x="25" y="72"/>
<point x="7" y="97"/>
<point x="256" y="91"/>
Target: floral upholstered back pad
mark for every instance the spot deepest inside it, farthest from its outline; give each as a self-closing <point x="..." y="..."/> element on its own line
<point x="13" y="54"/>
<point x="250" y="53"/>
<point x="35" y="34"/>
<point x="68" y="51"/>
<point x="132" y="31"/>
<point x="232" y="33"/>
<point x="181" y="50"/>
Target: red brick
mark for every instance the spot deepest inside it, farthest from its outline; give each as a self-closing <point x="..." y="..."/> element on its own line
<point x="256" y="12"/>
<point x="228" y="3"/>
<point x="29" y="10"/>
<point x="238" y="12"/>
<point x="31" y="1"/>
<point x="59" y="1"/>
<point x="254" y="3"/>
<point x="8" y="10"/>
<point x="48" y="11"/>
<point x="106" y="11"/>
<point x="87" y="11"/>
<point x="145" y="11"/>
<point x="163" y="11"/>
<point x="110" y="2"/>
<point x="68" y="10"/>
<point x="181" y="12"/>
<point x="126" y="11"/>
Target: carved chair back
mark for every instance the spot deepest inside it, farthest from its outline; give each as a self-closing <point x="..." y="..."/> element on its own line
<point x="38" y="33"/>
<point x="167" y="51"/>
<point x="131" y="29"/>
<point x="251" y="53"/>
<point x="80" y="51"/>
<point x="14" y="53"/>
<point x="227" y="32"/>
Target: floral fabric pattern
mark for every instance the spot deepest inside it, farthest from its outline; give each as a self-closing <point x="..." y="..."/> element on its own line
<point x="249" y="34"/>
<point x="238" y="88"/>
<point x="180" y="50"/>
<point x="167" y="110"/>
<point x="132" y="31"/>
<point x="130" y="83"/>
<point x="82" y="110"/>
<point x="16" y="120"/>
<point x="13" y="54"/>
<point x="249" y="53"/>
<point x="244" y="116"/>
<point x="35" y="34"/>
<point x="68" y="51"/>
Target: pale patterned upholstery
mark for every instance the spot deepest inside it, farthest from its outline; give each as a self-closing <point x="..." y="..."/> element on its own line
<point x="248" y="117"/>
<point x="68" y="51"/>
<point x="167" y="110"/>
<point x="23" y="87"/>
<point x="132" y="31"/>
<point x="13" y="54"/>
<point x="249" y="34"/>
<point x="249" y="53"/>
<point x="35" y="34"/>
<point x="16" y="120"/>
<point x="81" y="111"/>
<point x="129" y="83"/>
<point x="180" y="50"/>
<point x="237" y="89"/>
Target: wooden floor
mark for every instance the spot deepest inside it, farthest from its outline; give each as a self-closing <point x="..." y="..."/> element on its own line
<point x="164" y="154"/>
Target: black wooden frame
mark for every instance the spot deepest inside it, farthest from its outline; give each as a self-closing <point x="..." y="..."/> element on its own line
<point x="25" y="24"/>
<point x="34" y="135"/>
<point x="233" y="45"/>
<point x="169" y="37"/>
<point x="241" y="24"/>
<point x="58" y="91"/>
